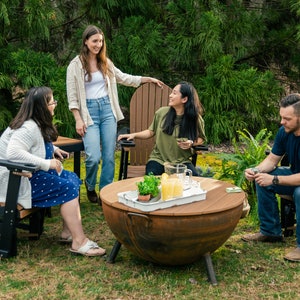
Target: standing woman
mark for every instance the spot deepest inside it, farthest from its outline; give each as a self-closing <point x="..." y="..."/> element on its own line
<point x="177" y="128"/>
<point x="92" y="93"/>
<point x="28" y="139"/>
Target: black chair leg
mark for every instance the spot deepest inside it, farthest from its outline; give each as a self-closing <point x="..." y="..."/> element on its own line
<point x="8" y="234"/>
<point x="210" y="269"/>
<point x="8" y="248"/>
<point x="48" y="212"/>
<point x="114" y="252"/>
<point x="287" y="208"/>
<point x="36" y="224"/>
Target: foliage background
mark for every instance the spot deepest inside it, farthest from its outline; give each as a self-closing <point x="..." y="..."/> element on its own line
<point x="242" y="56"/>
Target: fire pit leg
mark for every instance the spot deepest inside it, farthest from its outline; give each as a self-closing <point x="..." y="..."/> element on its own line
<point x="210" y="269"/>
<point x="114" y="252"/>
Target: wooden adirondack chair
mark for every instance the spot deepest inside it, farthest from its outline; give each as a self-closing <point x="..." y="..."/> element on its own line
<point x="144" y="102"/>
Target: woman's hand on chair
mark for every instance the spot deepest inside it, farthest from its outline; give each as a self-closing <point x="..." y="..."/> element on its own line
<point x="128" y="136"/>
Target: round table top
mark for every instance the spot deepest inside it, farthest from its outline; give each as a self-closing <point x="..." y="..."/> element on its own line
<point x="217" y="199"/>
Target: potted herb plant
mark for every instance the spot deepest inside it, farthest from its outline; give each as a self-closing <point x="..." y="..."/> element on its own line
<point x="148" y="188"/>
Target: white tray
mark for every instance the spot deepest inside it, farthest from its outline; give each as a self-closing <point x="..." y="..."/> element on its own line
<point x="193" y="194"/>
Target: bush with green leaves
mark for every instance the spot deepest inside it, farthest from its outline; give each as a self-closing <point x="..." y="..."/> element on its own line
<point x="236" y="98"/>
<point x="239" y="66"/>
<point x="249" y="151"/>
<point x="30" y="68"/>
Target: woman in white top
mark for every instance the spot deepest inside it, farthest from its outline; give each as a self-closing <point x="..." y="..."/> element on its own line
<point x="92" y="93"/>
<point x="28" y="139"/>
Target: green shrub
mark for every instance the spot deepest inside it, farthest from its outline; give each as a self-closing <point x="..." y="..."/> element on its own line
<point x="237" y="98"/>
<point x="249" y="151"/>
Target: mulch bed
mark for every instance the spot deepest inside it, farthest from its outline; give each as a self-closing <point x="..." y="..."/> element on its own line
<point x="222" y="148"/>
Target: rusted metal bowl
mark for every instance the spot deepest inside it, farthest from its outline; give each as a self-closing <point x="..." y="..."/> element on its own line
<point x="177" y="238"/>
<point x="171" y="240"/>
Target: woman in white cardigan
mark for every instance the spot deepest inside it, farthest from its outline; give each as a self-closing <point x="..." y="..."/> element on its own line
<point x="93" y="98"/>
<point x="28" y="139"/>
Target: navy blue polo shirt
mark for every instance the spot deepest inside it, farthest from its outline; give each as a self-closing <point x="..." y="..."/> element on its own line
<point x="288" y="143"/>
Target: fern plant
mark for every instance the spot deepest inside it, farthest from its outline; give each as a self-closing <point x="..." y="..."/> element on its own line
<point x="249" y="151"/>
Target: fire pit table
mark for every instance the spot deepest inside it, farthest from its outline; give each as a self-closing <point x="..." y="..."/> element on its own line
<point x="176" y="235"/>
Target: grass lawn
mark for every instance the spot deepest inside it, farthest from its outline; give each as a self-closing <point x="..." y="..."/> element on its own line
<point x="45" y="269"/>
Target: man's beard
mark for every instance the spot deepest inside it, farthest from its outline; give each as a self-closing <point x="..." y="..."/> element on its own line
<point x="295" y="128"/>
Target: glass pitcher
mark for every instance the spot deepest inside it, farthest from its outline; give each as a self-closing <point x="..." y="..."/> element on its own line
<point x="180" y="171"/>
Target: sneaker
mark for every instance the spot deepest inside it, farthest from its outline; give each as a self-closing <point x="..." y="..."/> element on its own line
<point x="259" y="237"/>
<point x="293" y="255"/>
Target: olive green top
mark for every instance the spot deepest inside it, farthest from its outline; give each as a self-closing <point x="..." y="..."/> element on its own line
<point x="166" y="148"/>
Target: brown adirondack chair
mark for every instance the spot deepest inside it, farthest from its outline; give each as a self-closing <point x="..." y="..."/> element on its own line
<point x="144" y="102"/>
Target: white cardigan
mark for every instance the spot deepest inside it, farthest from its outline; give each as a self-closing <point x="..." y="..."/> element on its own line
<point x="25" y="145"/>
<point x="76" y="90"/>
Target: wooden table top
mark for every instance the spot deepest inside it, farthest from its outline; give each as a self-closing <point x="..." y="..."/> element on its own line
<point x="217" y="199"/>
<point x="65" y="141"/>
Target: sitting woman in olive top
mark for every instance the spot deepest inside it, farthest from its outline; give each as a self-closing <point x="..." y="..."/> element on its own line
<point x="177" y="129"/>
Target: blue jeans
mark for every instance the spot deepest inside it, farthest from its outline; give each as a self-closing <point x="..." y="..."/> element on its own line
<point x="268" y="210"/>
<point x="104" y="132"/>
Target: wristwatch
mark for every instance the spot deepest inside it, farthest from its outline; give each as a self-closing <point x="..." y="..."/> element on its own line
<point x="275" y="180"/>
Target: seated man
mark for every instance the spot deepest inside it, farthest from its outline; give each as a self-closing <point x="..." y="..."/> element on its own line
<point x="176" y="128"/>
<point x="271" y="179"/>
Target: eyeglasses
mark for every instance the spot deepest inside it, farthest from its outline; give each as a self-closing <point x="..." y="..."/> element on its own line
<point x="53" y="103"/>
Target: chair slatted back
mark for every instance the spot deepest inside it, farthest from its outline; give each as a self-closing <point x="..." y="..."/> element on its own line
<point x="144" y="102"/>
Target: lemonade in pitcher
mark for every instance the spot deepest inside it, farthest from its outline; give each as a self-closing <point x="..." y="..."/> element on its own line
<point x="178" y="188"/>
<point x="171" y="188"/>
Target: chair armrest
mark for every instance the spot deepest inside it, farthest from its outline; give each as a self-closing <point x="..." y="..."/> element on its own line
<point x="125" y="143"/>
<point x="200" y="148"/>
<point x="17" y="167"/>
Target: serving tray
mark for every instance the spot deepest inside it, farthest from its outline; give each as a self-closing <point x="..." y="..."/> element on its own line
<point x="190" y="195"/>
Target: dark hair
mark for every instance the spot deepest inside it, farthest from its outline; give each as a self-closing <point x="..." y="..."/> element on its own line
<point x="192" y="110"/>
<point x="292" y="100"/>
<point x="101" y="56"/>
<point x="35" y="107"/>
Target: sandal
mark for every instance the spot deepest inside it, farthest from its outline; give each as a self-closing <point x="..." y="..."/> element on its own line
<point x="84" y="250"/>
